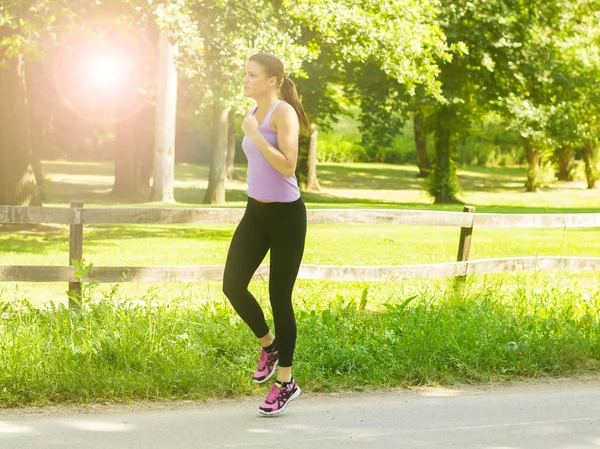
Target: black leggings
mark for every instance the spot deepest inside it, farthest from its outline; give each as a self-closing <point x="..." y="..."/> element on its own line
<point x="280" y="227"/>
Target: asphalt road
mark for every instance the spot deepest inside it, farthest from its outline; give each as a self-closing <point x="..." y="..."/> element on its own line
<point x="552" y="415"/>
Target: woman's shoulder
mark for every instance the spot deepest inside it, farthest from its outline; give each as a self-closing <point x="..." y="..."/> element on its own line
<point x="284" y="109"/>
<point x="284" y="114"/>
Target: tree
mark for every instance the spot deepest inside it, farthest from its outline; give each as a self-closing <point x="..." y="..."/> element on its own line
<point x="530" y="121"/>
<point x="551" y="105"/>
<point x="578" y="114"/>
<point x="17" y="177"/>
<point x="215" y="39"/>
<point x="379" y="68"/>
<point x="384" y="107"/>
<point x="482" y="47"/>
<point x="166" y="107"/>
<point x="231" y="146"/>
<point x="21" y="26"/>
<point x="322" y="95"/>
<point x="135" y="114"/>
<point x="420" y="131"/>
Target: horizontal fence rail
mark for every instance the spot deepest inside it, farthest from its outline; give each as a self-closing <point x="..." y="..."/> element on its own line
<point x="29" y="273"/>
<point x="77" y="216"/>
<point x="80" y="215"/>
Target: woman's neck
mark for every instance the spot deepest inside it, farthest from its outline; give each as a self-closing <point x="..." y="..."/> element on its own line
<point x="264" y="103"/>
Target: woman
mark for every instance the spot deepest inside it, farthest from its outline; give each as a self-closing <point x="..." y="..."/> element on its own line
<point x="275" y="220"/>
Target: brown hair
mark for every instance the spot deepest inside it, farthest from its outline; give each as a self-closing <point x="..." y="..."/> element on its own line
<point x="274" y="67"/>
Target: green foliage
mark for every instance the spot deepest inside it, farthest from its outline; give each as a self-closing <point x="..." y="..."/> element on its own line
<point x="383" y="108"/>
<point x="119" y="349"/>
<point x="400" y="36"/>
<point x="536" y="64"/>
<point x="335" y="148"/>
<point x="82" y="269"/>
<point x="27" y="27"/>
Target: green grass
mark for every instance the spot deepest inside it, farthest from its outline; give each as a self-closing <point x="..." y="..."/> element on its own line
<point x="135" y="341"/>
<point x="489" y="189"/>
<point x="161" y="245"/>
<point x="120" y="350"/>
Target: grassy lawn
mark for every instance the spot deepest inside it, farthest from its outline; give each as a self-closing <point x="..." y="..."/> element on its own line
<point x="343" y="185"/>
<point x="182" y="340"/>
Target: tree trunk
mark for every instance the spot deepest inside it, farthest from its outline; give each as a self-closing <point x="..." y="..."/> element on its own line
<point x="566" y="161"/>
<point x="145" y="137"/>
<point x="421" y="144"/>
<point x="444" y="183"/>
<point x="125" y="184"/>
<point x="230" y="146"/>
<point x="17" y="175"/>
<point x="302" y="163"/>
<point x="313" y="181"/>
<point x="215" y="194"/>
<point x="38" y="117"/>
<point x="592" y="162"/>
<point x="134" y="144"/>
<point x="533" y="166"/>
<point x="166" y="108"/>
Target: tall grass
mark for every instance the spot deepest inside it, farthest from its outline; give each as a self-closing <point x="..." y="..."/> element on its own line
<point x="117" y="349"/>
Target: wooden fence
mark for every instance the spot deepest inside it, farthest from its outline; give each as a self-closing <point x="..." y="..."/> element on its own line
<point x="77" y="216"/>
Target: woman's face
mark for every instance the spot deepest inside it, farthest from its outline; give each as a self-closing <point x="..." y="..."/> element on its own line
<point x="256" y="82"/>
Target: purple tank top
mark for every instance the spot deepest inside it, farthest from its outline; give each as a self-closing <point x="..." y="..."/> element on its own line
<point x="265" y="183"/>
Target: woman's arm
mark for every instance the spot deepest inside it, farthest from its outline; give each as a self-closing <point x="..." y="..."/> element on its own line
<point x="285" y="123"/>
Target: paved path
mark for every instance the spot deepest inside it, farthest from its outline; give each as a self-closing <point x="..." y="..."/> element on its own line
<point x="553" y="415"/>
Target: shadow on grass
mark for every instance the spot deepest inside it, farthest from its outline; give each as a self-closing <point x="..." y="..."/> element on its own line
<point x="402" y="177"/>
<point x="39" y="244"/>
<point x="65" y="192"/>
<point x="195" y="196"/>
<point x="360" y="177"/>
<point x="91" y="168"/>
<point x="122" y="232"/>
<point x="21" y="241"/>
<point x="33" y="229"/>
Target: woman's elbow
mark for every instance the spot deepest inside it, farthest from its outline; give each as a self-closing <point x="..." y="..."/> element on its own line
<point x="289" y="171"/>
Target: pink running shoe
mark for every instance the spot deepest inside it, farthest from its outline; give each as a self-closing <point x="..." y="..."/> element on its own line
<point x="266" y="366"/>
<point x="279" y="397"/>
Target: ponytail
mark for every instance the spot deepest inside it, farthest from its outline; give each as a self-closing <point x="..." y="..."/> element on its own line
<point x="290" y="95"/>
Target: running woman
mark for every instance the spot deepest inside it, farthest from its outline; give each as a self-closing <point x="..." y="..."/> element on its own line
<point x="275" y="220"/>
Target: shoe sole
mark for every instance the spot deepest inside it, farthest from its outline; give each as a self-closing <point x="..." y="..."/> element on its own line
<point x="256" y="381"/>
<point x="292" y="397"/>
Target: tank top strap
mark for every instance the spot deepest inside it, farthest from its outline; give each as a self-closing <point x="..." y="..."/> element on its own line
<point x="267" y="120"/>
<point x="270" y="113"/>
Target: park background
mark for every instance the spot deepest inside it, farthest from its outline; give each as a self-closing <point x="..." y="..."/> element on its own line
<point x="414" y="104"/>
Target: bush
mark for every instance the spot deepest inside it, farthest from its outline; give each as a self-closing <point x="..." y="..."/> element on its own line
<point x="334" y="148"/>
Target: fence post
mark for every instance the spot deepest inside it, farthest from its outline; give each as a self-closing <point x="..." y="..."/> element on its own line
<point x="464" y="246"/>
<point x="75" y="254"/>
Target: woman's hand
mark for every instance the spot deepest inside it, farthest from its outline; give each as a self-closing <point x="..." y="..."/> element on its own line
<point x="250" y="125"/>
